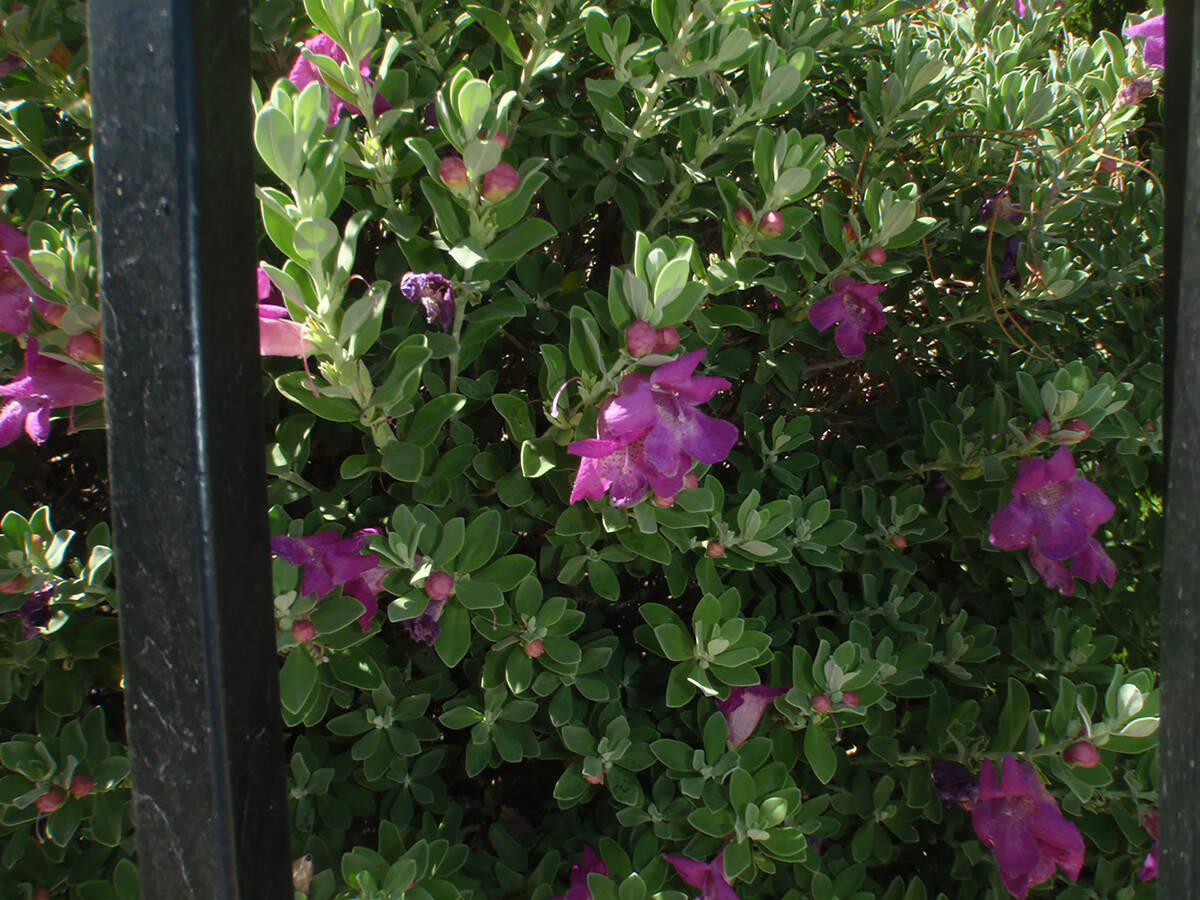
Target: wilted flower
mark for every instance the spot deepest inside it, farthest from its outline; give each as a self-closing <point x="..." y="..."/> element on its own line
<point x="1020" y="822"/>
<point x="1001" y="205"/>
<point x="304" y="73"/>
<point x="425" y="627"/>
<point x="1008" y="266"/>
<point x="434" y="292"/>
<point x="44" y="384"/>
<point x="35" y="612"/>
<point x="954" y="783"/>
<point x="14" y="292"/>
<point x="854" y="305"/>
<point x="1054" y="513"/>
<point x="1134" y="92"/>
<point x="278" y="333"/>
<point x="744" y="709"/>
<point x="579" y="873"/>
<point x="331" y="561"/>
<point x="709" y="877"/>
<point x="1154" y="50"/>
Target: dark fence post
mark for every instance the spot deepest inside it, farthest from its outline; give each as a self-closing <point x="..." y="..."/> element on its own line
<point x="1179" y="854"/>
<point x="174" y="175"/>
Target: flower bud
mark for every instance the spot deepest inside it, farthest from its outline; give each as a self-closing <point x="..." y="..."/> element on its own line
<point x="535" y="648"/>
<point x="876" y="256"/>
<point x="52" y="312"/>
<point x="439" y="586"/>
<point x="1080" y="427"/>
<point x="850" y="698"/>
<point x="744" y="216"/>
<point x="1108" y="164"/>
<point x="85" y="347"/>
<point x="690" y="481"/>
<point x="594" y="779"/>
<point x="771" y="224"/>
<point x="664" y="502"/>
<point x="453" y="172"/>
<point x="821" y="703"/>
<point x="666" y="340"/>
<point x="850" y="232"/>
<point x="640" y="338"/>
<point x="14" y="585"/>
<point x="81" y="786"/>
<point x="304" y="631"/>
<point x="899" y="541"/>
<point x="500" y="138"/>
<point x="500" y="182"/>
<point x="1083" y="754"/>
<point x="42" y="893"/>
<point x="1041" y="428"/>
<point x="52" y="799"/>
<point x="715" y="550"/>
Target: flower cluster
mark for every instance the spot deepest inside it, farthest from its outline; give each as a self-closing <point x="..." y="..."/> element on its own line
<point x="44" y="384"/>
<point x="853" y="307"/>
<point x="650" y="434"/>
<point x="1019" y="821"/>
<point x="304" y="73"/>
<point x="435" y="294"/>
<point x="331" y="561"/>
<point x="1055" y="512"/>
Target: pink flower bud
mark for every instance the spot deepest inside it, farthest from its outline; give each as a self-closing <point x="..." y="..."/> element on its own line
<point x="744" y="216"/>
<point x="876" y="256"/>
<point x="690" y="481"/>
<point x="899" y="541"/>
<point x="850" y="232"/>
<point x="1080" y="427"/>
<point x="535" y="648"/>
<point x="304" y="631"/>
<point x="1083" y="754"/>
<point x="771" y="224"/>
<point x="715" y="549"/>
<point x="52" y="799"/>
<point x="666" y="339"/>
<point x="81" y="786"/>
<point x="52" y="312"/>
<point x="640" y="338"/>
<point x="1108" y="164"/>
<point x="500" y="182"/>
<point x="850" y="698"/>
<point x="85" y="347"/>
<point x="1042" y="428"/>
<point x="664" y="502"/>
<point x="501" y="138"/>
<point x="453" y="172"/>
<point x="594" y="779"/>
<point x="821" y="703"/>
<point x="439" y="586"/>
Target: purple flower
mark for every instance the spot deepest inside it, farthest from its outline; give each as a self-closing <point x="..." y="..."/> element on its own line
<point x="35" y="612"/>
<point x="709" y="877"/>
<point x="744" y="708"/>
<point x="954" y="783"/>
<point x="854" y="305"/>
<point x="579" y="873"/>
<point x="434" y="292"/>
<point x="1150" y="867"/>
<point x="650" y="433"/>
<point x="1008" y="265"/>
<point x="44" y="384"/>
<point x="1135" y="92"/>
<point x="1020" y="7"/>
<point x="14" y="292"/>
<point x="1002" y="205"/>
<point x="1154" y="50"/>
<point x="1054" y="513"/>
<point x="1020" y="822"/>
<point x="331" y="561"/>
<point x="305" y="73"/>
<point x="278" y="334"/>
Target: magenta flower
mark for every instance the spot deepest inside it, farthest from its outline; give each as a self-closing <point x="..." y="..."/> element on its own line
<point x="44" y="384"/>
<point x="854" y="305"/>
<point x="1021" y="824"/>
<point x="1150" y="867"/>
<point x="305" y="73"/>
<point x="650" y="433"/>
<point x="14" y="292"/>
<point x="744" y="709"/>
<point x="1154" y="50"/>
<point x="278" y="333"/>
<point x="331" y="561"/>
<point x="1134" y="92"/>
<point x="434" y="292"/>
<point x="1054" y="513"/>
<point x="709" y="877"/>
<point x="579" y="873"/>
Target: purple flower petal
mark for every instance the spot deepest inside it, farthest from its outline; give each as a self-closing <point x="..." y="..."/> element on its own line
<point x="849" y="339"/>
<point x="828" y="312"/>
<point x="12" y="420"/>
<point x="1092" y="563"/>
<point x="1012" y="527"/>
<point x="1054" y="574"/>
<point x="692" y="871"/>
<point x="1060" y="535"/>
<point x="744" y="709"/>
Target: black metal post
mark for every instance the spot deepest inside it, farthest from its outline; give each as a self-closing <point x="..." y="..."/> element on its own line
<point x="174" y="176"/>
<point x="1179" y="852"/>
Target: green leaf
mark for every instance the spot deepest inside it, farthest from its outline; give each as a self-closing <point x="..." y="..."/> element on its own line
<point x="297" y="680"/>
<point x="819" y="753"/>
<point x="455" y="639"/>
<point x="297" y="387"/>
<point x="403" y="461"/>
<point x="521" y="240"/>
<point x="497" y="26"/>
<point x="676" y="644"/>
<point x="1014" y="718"/>
<point x="480" y="544"/>
<point x="432" y="416"/>
<point x="477" y="594"/>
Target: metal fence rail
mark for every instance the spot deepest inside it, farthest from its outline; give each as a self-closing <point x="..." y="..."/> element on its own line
<point x="174" y="176"/>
